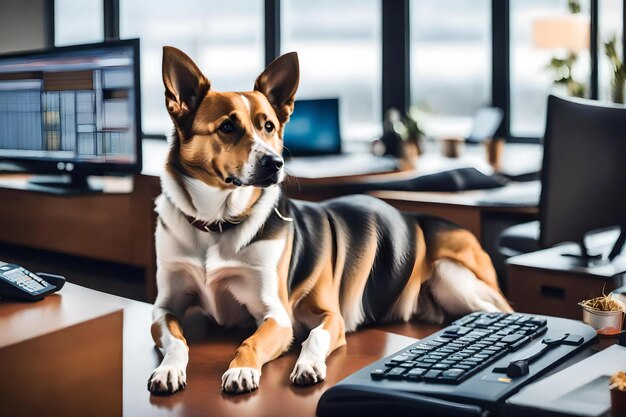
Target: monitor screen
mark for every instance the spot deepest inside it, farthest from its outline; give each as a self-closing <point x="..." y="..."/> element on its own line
<point x="313" y="128"/>
<point x="75" y="105"/>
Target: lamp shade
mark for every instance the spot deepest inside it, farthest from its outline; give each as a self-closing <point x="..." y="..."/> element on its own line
<point x="567" y="32"/>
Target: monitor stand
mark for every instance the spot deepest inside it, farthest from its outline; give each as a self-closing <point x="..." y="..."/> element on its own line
<point x="587" y="259"/>
<point x="64" y="184"/>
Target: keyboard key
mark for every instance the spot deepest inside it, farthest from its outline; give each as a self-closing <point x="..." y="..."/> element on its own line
<point x="415" y="373"/>
<point x="512" y="338"/>
<point x="423" y="347"/>
<point x="400" y="358"/>
<point x="441" y="366"/>
<point x="453" y="373"/>
<point x="407" y="365"/>
<point x="377" y="374"/>
<point x="484" y="322"/>
<point x="432" y="374"/>
<point x="538" y="321"/>
<point x="395" y="373"/>
<point x="519" y="343"/>
<point x="437" y="355"/>
<point x="423" y="365"/>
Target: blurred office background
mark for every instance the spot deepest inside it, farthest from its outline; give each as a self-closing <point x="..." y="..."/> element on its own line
<point x="448" y="57"/>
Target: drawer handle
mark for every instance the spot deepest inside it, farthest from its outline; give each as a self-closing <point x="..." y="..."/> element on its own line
<point x="552" y="292"/>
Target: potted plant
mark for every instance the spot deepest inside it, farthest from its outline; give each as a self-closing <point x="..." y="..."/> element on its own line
<point x="618" y="71"/>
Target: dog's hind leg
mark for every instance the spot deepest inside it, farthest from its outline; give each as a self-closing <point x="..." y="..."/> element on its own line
<point x="458" y="291"/>
<point x="459" y="252"/>
<point x="171" y="375"/>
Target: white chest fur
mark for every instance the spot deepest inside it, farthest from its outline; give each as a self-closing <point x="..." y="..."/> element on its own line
<point x="232" y="278"/>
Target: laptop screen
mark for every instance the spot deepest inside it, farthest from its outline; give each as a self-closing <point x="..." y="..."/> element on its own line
<point x="313" y="128"/>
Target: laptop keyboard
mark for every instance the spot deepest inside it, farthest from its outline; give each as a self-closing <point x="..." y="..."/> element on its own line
<point x="463" y="348"/>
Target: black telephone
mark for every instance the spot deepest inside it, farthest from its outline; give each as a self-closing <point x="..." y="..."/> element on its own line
<point x="17" y="282"/>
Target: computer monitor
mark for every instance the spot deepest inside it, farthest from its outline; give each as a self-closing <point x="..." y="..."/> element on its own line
<point x="72" y="110"/>
<point x="313" y="128"/>
<point x="584" y="172"/>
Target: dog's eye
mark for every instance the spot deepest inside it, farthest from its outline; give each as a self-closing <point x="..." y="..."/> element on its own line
<point x="269" y="127"/>
<point x="227" y="127"/>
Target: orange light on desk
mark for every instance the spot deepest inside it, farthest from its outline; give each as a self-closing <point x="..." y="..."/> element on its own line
<point x="562" y="32"/>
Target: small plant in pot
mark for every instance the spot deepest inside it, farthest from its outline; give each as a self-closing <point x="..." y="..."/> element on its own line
<point x="618" y="71"/>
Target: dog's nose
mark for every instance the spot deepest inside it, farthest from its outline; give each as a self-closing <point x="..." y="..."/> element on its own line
<point x="271" y="163"/>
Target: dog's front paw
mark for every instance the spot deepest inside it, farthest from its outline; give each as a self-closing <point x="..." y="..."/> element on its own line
<point x="308" y="372"/>
<point x="240" y="380"/>
<point x="167" y="379"/>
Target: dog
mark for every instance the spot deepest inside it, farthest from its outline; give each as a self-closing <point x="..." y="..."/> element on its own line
<point x="228" y="240"/>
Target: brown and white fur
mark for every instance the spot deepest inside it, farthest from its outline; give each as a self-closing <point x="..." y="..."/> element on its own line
<point x="318" y="269"/>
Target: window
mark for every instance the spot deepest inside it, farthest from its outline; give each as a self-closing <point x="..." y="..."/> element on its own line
<point x="78" y="21"/>
<point x="228" y="50"/>
<point x="340" y="48"/>
<point x="610" y="24"/>
<point x="531" y="80"/>
<point x="450" y="61"/>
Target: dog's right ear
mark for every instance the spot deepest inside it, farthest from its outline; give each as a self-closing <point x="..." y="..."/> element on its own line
<point x="185" y="85"/>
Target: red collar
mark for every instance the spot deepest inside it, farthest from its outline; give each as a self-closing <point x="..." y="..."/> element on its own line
<point x="215" y="227"/>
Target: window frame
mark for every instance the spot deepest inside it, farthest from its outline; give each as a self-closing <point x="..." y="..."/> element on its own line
<point x="395" y="81"/>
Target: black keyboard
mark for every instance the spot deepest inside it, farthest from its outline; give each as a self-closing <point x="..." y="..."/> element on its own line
<point x="464" y="348"/>
<point x="468" y="368"/>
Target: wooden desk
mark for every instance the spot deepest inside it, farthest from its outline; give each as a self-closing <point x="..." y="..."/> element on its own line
<point x="211" y="349"/>
<point x="465" y="208"/>
<point x="115" y="226"/>
<point x="546" y="282"/>
<point x="59" y="353"/>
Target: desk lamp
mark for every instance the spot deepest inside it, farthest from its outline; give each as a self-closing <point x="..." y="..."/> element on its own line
<point x="569" y="33"/>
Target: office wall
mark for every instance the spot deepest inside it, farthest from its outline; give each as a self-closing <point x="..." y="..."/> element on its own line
<point x="22" y="24"/>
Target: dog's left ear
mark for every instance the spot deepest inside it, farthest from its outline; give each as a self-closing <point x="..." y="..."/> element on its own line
<point x="279" y="83"/>
<point x="185" y="85"/>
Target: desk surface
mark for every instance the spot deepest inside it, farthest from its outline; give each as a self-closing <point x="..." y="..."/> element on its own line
<point x="211" y="349"/>
<point x="488" y="200"/>
<point x="558" y="259"/>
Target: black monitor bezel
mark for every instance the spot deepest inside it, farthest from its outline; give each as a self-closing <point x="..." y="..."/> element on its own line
<point x="50" y="166"/>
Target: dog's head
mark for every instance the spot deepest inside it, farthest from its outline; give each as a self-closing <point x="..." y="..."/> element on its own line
<point x="229" y="139"/>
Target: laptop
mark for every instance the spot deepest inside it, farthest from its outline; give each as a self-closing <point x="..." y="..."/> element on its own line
<point x="485" y="124"/>
<point x="313" y="146"/>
